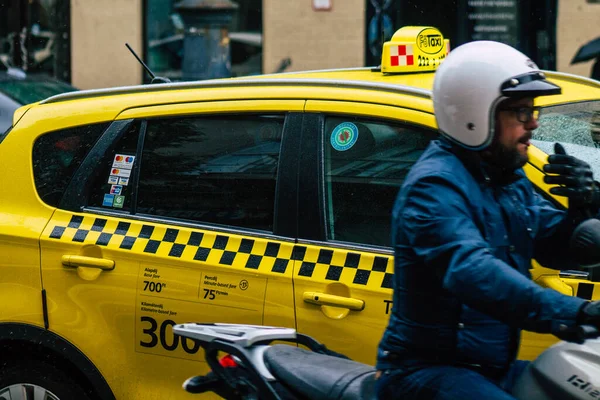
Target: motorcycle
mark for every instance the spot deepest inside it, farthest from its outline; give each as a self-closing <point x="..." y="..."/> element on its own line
<point x="254" y="368"/>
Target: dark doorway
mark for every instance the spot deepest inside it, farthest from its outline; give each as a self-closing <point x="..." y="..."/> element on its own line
<point x="35" y="36"/>
<point x="384" y="17"/>
<point x="164" y="38"/>
<point x="528" y="25"/>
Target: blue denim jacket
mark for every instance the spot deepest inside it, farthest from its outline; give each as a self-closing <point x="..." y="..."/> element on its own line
<point x="463" y="247"/>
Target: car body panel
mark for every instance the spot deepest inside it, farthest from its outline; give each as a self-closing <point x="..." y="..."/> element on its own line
<point x="212" y="107"/>
<point x="574" y="88"/>
<point x="159" y="279"/>
<point x="372" y="109"/>
<point x="91" y="312"/>
<point x="23" y="218"/>
<point x="19" y="112"/>
<point x="351" y="273"/>
<point x="164" y="273"/>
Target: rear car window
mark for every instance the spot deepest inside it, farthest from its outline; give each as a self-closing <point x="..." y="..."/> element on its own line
<point x="56" y="157"/>
<point x="219" y="170"/>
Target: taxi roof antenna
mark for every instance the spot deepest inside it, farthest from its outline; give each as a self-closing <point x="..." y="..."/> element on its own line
<point x="155" y="79"/>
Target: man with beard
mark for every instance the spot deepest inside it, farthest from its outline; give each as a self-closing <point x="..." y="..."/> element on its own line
<point x="466" y="225"/>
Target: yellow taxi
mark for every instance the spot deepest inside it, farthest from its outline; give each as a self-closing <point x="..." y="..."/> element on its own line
<point x="261" y="200"/>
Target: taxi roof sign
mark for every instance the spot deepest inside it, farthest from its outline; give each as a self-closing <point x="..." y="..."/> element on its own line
<point x="414" y="49"/>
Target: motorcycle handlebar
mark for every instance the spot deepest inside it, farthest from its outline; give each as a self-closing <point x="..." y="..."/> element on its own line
<point x="578" y="334"/>
<point x="585" y="332"/>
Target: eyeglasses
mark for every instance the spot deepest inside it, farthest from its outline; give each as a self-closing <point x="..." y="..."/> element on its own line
<point x="524" y="114"/>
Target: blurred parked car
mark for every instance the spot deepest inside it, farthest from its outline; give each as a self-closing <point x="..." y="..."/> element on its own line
<point x="18" y="88"/>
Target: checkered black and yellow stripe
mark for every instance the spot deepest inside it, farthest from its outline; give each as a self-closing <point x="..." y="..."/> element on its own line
<point x="217" y="248"/>
<point x="350" y="268"/>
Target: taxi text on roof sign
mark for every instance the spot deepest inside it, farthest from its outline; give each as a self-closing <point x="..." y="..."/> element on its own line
<point x="414" y="49"/>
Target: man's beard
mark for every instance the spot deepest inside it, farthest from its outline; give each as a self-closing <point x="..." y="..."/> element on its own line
<point x="507" y="159"/>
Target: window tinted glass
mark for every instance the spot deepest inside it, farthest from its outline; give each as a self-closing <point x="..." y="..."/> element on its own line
<point x="30" y="91"/>
<point x="218" y="170"/>
<point x="576" y="126"/>
<point x="365" y="164"/>
<point x="112" y="187"/>
<point x="56" y="157"/>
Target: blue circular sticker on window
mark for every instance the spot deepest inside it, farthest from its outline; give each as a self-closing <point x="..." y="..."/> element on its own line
<point x="344" y="136"/>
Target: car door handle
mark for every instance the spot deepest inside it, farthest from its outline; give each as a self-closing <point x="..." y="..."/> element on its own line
<point x="89" y="262"/>
<point x="324" y="299"/>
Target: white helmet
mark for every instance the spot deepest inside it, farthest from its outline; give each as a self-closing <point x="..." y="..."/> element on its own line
<point x="470" y="83"/>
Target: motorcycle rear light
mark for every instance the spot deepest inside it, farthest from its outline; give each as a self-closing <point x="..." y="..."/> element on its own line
<point x="228" y="362"/>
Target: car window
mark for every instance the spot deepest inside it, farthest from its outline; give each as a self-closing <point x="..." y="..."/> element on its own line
<point x="219" y="170"/>
<point x="113" y="180"/>
<point x="576" y="126"/>
<point x="365" y="164"/>
<point x="7" y="109"/>
<point x="56" y="157"/>
<point x="31" y="91"/>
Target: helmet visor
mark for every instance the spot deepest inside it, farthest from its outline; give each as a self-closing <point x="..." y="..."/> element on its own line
<point x="529" y="85"/>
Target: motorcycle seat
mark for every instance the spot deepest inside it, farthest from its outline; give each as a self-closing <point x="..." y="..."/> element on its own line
<point x="318" y="376"/>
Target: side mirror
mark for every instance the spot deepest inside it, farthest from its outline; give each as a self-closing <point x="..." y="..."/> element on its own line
<point x="585" y="244"/>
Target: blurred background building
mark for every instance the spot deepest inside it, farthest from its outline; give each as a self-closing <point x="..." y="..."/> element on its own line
<point x="83" y="41"/>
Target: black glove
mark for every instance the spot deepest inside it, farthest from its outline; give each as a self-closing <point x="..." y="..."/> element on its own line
<point x="587" y="324"/>
<point x="589" y="314"/>
<point x="588" y="320"/>
<point x="576" y="178"/>
<point x="584" y="245"/>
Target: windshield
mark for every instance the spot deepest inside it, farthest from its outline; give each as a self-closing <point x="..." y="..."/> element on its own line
<point x="31" y="91"/>
<point x="576" y="126"/>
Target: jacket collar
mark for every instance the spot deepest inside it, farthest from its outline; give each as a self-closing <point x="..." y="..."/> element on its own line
<point x="481" y="170"/>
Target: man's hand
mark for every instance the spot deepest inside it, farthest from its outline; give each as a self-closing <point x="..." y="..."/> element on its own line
<point x="587" y="324"/>
<point x="576" y="180"/>
<point x="589" y="314"/>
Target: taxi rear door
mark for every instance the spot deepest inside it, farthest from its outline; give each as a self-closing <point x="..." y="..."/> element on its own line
<point x="353" y="165"/>
<point x="173" y="219"/>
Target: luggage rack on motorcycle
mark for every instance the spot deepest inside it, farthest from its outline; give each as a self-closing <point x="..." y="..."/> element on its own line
<point x="242" y="335"/>
<point x="226" y="336"/>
